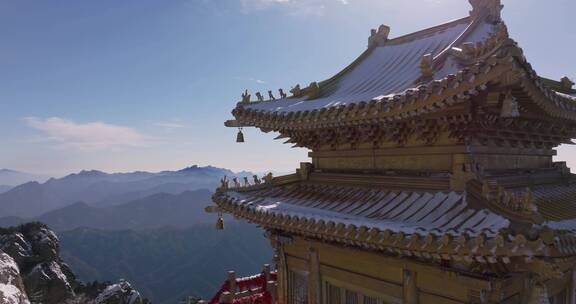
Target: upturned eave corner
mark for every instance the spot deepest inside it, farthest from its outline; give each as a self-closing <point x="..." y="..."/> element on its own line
<point x="232" y="123"/>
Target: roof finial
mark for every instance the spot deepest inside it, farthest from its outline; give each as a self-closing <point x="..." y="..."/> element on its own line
<point x="566" y="83"/>
<point x="270" y="95"/>
<point x="378" y="37"/>
<point x="296" y="91"/>
<point x="426" y="67"/>
<point x="490" y="9"/>
<point x="259" y="96"/>
<point x="246" y="97"/>
<point x="313" y="90"/>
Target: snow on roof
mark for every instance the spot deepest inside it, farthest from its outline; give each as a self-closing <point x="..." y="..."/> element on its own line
<point x="409" y="212"/>
<point x="556" y="203"/>
<point x="566" y="225"/>
<point x="389" y="69"/>
<point x="568" y="96"/>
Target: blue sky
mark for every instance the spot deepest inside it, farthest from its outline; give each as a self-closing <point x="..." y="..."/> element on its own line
<point x="146" y="84"/>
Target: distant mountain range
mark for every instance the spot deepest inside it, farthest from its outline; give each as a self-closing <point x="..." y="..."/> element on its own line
<point x="166" y="265"/>
<point x="13" y="178"/>
<point x="155" y="211"/>
<point x="96" y="188"/>
<point x="149" y="228"/>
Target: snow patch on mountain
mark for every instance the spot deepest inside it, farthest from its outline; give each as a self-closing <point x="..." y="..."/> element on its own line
<point x="121" y="292"/>
<point x="11" y="286"/>
<point x="47" y="279"/>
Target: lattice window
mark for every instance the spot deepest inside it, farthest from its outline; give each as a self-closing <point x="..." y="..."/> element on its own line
<point x="339" y="295"/>
<point x="333" y="294"/>
<point x="351" y="297"/>
<point x="560" y="298"/>
<point x="298" y="287"/>
<point x="372" y="300"/>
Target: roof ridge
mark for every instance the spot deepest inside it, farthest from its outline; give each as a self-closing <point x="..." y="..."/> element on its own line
<point x="467" y="31"/>
<point x="441" y="57"/>
<point x="327" y="84"/>
<point x="424" y="32"/>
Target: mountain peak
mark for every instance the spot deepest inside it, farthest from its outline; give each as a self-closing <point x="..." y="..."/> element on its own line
<point x="87" y="173"/>
<point x="91" y="173"/>
<point x="100" y="188"/>
<point x="191" y="168"/>
<point x="196" y="168"/>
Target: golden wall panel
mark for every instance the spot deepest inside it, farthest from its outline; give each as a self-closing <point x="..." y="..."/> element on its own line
<point x="448" y="286"/>
<point x="434" y="299"/>
<point x="432" y="160"/>
<point x="372" y="273"/>
<point x="496" y="161"/>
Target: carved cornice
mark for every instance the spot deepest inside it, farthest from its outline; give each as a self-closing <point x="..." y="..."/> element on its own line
<point x="469" y="53"/>
<point x="425" y="99"/>
<point x="485" y="129"/>
<point x="516" y="205"/>
<point x="498" y="249"/>
<point x="505" y="65"/>
<point x="544" y="97"/>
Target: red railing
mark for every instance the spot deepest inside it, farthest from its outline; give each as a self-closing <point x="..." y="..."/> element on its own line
<point x="258" y="289"/>
<point x="216" y="298"/>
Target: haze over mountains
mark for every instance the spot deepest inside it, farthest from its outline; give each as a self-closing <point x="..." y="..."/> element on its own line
<point x="167" y="264"/>
<point x="4" y="188"/>
<point x="148" y="228"/>
<point x="10" y="178"/>
<point x="99" y="189"/>
<point x="155" y="211"/>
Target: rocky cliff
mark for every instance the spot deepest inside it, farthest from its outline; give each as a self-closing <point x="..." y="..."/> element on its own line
<point x="31" y="271"/>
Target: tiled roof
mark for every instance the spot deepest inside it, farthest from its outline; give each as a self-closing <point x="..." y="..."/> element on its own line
<point x="411" y="76"/>
<point x="388" y="69"/>
<point x="567" y="96"/>
<point x="435" y="213"/>
<point x="556" y="202"/>
<point x="425" y="224"/>
<point x="429" y="224"/>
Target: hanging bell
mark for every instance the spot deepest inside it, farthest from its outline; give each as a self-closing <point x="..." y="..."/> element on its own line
<point x="240" y="136"/>
<point x="220" y="223"/>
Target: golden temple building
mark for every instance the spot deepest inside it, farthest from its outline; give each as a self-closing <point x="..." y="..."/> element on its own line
<point x="431" y="178"/>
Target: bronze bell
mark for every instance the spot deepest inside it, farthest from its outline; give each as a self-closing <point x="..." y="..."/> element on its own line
<point x="220" y="223"/>
<point x="240" y="136"/>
